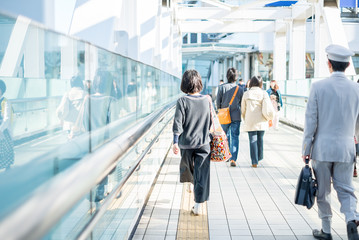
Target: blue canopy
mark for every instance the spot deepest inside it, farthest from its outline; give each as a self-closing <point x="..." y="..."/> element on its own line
<point x="281" y="4"/>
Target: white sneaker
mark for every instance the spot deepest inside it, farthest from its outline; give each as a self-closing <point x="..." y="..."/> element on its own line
<point x="195" y="211"/>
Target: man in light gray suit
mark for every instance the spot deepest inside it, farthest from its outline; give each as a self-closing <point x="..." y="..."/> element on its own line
<point x="331" y="122"/>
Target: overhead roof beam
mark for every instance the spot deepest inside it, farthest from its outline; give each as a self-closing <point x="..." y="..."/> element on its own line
<point x="218" y="4"/>
<point x="227" y="27"/>
<point x="222" y="50"/>
<point x="220" y="14"/>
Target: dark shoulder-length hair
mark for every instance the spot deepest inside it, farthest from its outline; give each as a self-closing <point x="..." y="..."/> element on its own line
<point x="191" y="82"/>
<point x="232" y="75"/>
<point x="256" y="81"/>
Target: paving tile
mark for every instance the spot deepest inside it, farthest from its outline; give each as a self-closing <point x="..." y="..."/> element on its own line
<point x="242" y="237"/>
<point x="268" y="237"/>
<point x="261" y="232"/>
<point x="152" y="231"/>
<point x="285" y="237"/>
<point x="305" y="237"/>
<point x="137" y="237"/>
<point x="282" y="232"/>
<point x="241" y="232"/>
<point x="171" y="232"/>
<point x="238" y="226"/>
<point x="170" y="237"/>
<point x="221" y="237"/>
<point x="216" y="232"/>
<point x="218" y="226"/>
<point x="154" y="237"/>
<point x="140" y="231"/>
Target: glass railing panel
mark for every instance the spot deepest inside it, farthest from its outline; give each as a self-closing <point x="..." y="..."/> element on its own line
<point x="295" y="94"/>
<point x="68" y="98"/>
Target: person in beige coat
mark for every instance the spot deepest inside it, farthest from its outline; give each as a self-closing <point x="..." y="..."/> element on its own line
<point x="257" y="110"/>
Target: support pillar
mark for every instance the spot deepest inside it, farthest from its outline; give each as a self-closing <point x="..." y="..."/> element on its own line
<point x="297" y="50"/>
<point x="279" y="55"/>
<point x="255" y="64"/>
<point x="246" y="66"/>
<point x="321" y="41"/>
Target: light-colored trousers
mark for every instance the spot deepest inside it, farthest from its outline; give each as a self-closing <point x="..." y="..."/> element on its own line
<point x="276" y="114"/>
<point x="342" y="176"/>
<point x="276" y="119"/>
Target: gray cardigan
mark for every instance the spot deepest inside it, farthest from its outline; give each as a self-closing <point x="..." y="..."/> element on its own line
<point x="192" y="122"/>
<point x="225" y="93"/>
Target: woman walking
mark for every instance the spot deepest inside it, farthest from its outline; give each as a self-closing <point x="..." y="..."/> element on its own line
<point x="191" y="136"/>
<point x="276" y="99"/>
<point x="257" y="110"/>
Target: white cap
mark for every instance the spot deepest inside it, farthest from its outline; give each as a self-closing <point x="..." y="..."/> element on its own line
<point x="338" y="53"/>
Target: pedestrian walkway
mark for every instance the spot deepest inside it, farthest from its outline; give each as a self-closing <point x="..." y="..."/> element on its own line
<point x="245" y="203"/>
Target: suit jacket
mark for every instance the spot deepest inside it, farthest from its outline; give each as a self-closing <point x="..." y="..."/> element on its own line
<point x="224" y="96"/>
<point x="331" y="119"/>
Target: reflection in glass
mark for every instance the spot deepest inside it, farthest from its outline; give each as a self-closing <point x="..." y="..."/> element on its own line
<point x="71" y="102"/>
<point x="6" y="143"/>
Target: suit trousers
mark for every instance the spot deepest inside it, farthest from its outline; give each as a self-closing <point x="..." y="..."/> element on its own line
<point x="195" y="168"/>
<point x="341" y="173"/>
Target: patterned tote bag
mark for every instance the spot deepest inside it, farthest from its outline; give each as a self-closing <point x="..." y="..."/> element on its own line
<point x="219" y="142"/>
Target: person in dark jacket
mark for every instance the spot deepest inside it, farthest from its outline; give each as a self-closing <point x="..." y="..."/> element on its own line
<point x="225" y="94"/>
<point x="242" y="84"/>
<point x="191" y="127"/>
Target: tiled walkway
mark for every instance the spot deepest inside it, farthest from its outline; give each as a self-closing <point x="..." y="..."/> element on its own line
<point x="245" y="203"/>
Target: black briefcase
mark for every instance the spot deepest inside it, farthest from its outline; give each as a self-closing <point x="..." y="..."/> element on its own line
<point x="306" y="189"/>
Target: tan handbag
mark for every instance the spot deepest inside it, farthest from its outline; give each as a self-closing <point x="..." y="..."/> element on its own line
<point x="223" y="113"/>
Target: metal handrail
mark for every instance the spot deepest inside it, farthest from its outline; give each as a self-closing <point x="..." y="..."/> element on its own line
<point x="50" y="202"/>
<point x="37" y="99"/>
<point x="294" y="96"/>
<point x="294" y="105"/>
